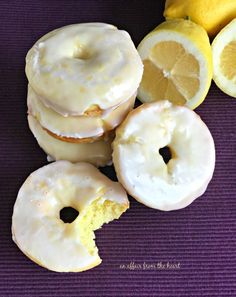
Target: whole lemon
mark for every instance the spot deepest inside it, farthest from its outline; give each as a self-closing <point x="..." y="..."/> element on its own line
<point x="212" y="15"/>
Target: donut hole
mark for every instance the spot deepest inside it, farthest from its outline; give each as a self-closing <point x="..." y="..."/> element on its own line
<point x="82" y="53"/>
<point x="68" y="214"/>
<point x="166" y="154"/>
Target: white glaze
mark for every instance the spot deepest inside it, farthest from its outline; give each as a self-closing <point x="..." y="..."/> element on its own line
<point x="71" y="83"/>
<point x="142" y="170"/>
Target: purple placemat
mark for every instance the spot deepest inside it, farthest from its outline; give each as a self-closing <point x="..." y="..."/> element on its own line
<point x="190" y="252"/>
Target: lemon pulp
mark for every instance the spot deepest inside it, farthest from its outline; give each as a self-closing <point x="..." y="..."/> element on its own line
<point x="228" y="60"/>
<point x="170" y="76"/>
<point x="224" y="59"/>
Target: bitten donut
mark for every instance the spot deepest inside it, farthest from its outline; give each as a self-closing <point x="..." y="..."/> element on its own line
<point x="36" y="225"/>
<point x="140" y="166"/>
<point x="76" y="127"/>
<point x="84" y="68"/>
<point x="97" y="153"/>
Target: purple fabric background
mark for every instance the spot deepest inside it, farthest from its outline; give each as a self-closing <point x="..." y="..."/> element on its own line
<point x="201" y="237"/>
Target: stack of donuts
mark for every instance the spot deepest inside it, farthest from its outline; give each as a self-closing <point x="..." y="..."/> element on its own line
<point x="83" y="80"/>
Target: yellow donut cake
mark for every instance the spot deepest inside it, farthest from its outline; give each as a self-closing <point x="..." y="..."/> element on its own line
<point x="43" y="236"/>
<point x="140" y="140"/>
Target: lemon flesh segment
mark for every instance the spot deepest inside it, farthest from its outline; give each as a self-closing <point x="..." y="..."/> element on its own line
<point x="224" y="59"/>
<point x="177" y="64"/>
<point x="228" y="60"/>
<point x="173" y="77"/>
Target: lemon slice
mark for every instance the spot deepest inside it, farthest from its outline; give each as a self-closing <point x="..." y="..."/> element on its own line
<point x="177" y="62"/>
<point x="224" y="59"/>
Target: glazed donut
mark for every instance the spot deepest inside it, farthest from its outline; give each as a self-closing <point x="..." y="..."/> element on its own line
<point x="140" y="166"/>
<point x="76" y="126"/>
<point x="97" y="153"/>
<point x="36" y="225"/>
<point x="95" y="68"/>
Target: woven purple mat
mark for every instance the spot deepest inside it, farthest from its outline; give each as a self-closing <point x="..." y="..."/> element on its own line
<point x="183" y="253"/>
